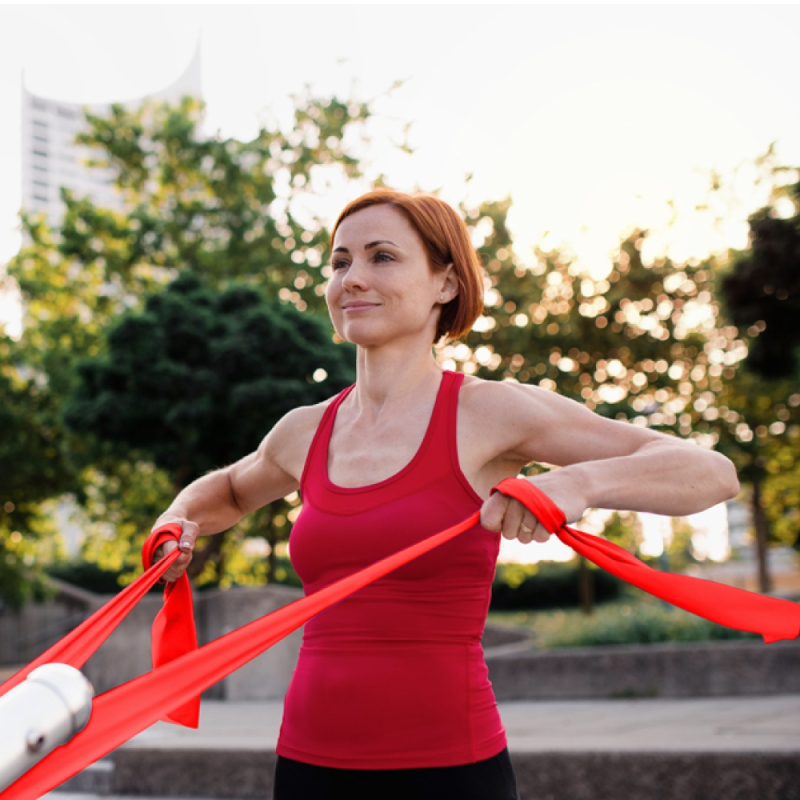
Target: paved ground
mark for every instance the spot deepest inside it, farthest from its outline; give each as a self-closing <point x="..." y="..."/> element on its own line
<point x="744" y="729"/>
<point x="710" y="724"/>
<point x="87" y="796"/>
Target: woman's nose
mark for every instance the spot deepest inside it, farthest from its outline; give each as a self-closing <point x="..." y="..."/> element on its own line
<point x="355" y="276"/>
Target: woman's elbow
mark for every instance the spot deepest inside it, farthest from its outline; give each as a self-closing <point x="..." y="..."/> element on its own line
<point x="726" y="475"/>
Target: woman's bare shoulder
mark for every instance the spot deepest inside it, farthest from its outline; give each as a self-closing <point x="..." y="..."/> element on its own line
<point x="510" y="420"/>
<point x="494" y="398"/>
<point x="533" y="424"/>
<point x="275" y="468"/>
<point x="300" y="421"/>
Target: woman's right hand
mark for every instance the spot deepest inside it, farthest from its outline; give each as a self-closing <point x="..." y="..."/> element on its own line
<point x="189" y="533"/>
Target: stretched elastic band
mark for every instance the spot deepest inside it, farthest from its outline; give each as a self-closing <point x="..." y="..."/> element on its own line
<point x="78" y="645"/>
<point x="123" y="712"/>
<point x="773" y="618"/>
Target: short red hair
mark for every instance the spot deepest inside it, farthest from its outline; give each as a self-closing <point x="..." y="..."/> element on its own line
<point x="446" y="240"/>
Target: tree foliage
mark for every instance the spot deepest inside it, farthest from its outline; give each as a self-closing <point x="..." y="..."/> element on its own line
<point x="761" y="402"/>
<point x="633" y="344"/>
<point x="653" y="342"/>
<point x="220" y="208"/>
<point x="763" y="290"/>
<point x="32" y="469"/>
<point x="197" y="378"/>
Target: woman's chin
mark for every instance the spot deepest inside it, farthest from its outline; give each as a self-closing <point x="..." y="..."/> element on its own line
<point x="371" y="336"/>
<point x="362" y="335"/>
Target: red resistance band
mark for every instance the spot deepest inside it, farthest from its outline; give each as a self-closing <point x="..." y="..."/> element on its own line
<point x="182" y="671"/>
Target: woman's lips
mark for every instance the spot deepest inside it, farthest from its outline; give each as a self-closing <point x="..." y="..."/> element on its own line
<point x="359" y="306"/>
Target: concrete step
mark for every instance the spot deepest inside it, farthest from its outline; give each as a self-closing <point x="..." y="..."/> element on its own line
<point x="735" y="748"/>
<point x="657" y="776"/>
<point x="668" y="670"/>
<point x="96" y="779"/>
<point x="555" y="775"/>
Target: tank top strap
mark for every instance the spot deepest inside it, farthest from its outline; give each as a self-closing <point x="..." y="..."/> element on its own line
<point x="447" y="429"/>
<point x="316" y="468"/>
<point x="442" y="429"/>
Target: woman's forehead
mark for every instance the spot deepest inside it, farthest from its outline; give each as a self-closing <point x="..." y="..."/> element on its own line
<point x="375" y="223"/>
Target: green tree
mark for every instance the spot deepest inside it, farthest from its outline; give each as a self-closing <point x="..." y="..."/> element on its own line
<point x="630" y="345"/>
<point x="229" y="211"/>
<point x="32" y="469"/>
<point x="756" y="421"/>
<point x="197" y="378"/>
<point x="763" y="290"/>
<point x="761" y="294"/>
<point x="648" y="342"/>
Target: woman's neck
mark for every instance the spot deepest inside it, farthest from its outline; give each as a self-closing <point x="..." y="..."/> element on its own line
<point x="388" y="375"/>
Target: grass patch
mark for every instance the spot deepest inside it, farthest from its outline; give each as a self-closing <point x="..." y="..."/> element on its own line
<point x="636" y="618"/>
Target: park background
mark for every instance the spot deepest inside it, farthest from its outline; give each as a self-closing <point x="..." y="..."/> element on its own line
<point x="628" y="174"/>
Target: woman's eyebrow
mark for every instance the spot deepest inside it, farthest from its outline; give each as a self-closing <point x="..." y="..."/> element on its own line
<point x="366" y="246"/>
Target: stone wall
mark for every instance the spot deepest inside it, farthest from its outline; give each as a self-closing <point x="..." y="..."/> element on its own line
<point x="266" y="677"/>
<point x="27" y="632"/>
<point x="126" y="653"/>
<point x="702" y="669"/>
<point x="517" y="672"/>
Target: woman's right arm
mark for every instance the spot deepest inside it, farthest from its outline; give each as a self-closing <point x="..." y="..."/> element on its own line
<point x="218" y="500"/>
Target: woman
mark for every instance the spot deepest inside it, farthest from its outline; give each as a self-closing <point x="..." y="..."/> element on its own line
<point x="390" y="696"/>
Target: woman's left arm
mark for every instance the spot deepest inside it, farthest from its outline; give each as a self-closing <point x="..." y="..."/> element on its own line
<point x="604" y="464"/>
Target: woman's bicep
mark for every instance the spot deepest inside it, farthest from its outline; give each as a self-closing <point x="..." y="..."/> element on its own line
<point x="257" y="480"/>
<point x="273" y="471"/>
<point x="556" y="430"/>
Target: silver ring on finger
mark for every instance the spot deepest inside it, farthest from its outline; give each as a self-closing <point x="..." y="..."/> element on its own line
<point x="525" y="529"/>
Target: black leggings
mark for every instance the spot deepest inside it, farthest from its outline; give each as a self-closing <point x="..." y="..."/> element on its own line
<point x="492" y="779"/>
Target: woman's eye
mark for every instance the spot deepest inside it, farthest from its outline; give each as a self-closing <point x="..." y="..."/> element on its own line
<point x="378" y="255"/>
<point x="338" y="264"/>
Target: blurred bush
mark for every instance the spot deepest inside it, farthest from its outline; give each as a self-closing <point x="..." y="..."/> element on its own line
<point x="635" y="619"/>
<point x="93" y="578"/>
<point x="87" y="575"/>
<point x="547" y="585"/>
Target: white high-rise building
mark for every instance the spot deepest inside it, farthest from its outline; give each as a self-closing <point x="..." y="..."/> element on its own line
<point x="51" y="159"/>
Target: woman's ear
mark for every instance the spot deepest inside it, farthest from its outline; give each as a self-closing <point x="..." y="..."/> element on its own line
<point x="449" y="286"/>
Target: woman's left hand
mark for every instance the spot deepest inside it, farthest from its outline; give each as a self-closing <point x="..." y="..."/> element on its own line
<point x="514" y="521"/>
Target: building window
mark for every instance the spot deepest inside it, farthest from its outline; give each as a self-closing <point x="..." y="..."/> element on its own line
<point x="68" y="113"/>
<point x="40" y="139"/>
<point x="40" y="183"/>
<point x="40" y="153"/>
<point x="41" y="169"/>
<point x="38" y="104"/>
<point x="41" y="123"/>
<point x="40" y="198"/>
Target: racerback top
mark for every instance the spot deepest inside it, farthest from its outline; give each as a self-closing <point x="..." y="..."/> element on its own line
<point x="394" y="676"/>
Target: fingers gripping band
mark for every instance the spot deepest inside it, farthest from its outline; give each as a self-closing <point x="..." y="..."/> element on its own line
<point x="173" y="633"/>
<point x="535" y="500"/>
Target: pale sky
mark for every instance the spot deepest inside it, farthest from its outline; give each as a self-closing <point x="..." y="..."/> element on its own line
<point x="574" y="110"/>
<point x="591" y="117"/>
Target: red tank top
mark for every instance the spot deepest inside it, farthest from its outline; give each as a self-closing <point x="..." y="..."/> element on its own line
<point x="394" y="676"/>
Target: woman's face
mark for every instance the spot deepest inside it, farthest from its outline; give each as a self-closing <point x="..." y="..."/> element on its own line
<point x="382" y="289"/>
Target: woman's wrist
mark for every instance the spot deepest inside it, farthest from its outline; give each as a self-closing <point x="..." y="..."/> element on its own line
<point x="569" y="488"/>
